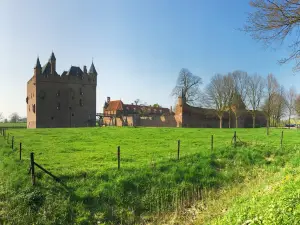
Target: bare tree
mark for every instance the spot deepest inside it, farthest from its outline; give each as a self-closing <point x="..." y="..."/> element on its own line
<point x="272" y="88"/>
<point x="137" y="101"/>
<point x="240" y="86"/>
<point x="278" y="106"/>
<point x="216" y="97"/>
<point x="14" y="117"/>
<point x="189" y="84"/>
<point x="272" y="21"/>
<point x="255" y="93"/>
<point x="297" y="105"/>
<point x="291" y="96"/>
<point x="229" y="92"/>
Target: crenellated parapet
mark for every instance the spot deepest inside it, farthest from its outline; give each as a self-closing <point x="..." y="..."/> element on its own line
<point x="83" y="79"/>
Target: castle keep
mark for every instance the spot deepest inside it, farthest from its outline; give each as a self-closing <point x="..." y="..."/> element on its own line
<point x="66" y="100"/>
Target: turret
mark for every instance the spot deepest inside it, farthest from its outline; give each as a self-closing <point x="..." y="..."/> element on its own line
<point x="92" y="71"/>
<point x="52" y="61"/>
<point x="38" y="67"/>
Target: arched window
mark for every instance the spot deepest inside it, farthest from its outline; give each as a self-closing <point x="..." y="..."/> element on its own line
<point x="33" y="108"/>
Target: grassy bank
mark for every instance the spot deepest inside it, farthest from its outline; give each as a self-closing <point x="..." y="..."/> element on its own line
<point x="151" y="182"/>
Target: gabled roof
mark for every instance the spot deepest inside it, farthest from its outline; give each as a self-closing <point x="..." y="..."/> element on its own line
<point x="46" y="68"/>
<point x="75" y="71"/>
<point x="115" y="105"/>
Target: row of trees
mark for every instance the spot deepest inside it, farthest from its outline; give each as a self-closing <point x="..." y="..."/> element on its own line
<point x="13" y="118"/>
<point x="236" y="91"/>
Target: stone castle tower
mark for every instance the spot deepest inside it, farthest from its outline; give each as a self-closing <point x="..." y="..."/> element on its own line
<point x="66" y="100"/>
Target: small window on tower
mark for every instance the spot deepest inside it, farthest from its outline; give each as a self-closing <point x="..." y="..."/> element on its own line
<point x="52" y="118"/>
<point x="80" y="102"/>
<point x="72" y="114"/>
<point x="58" y="106"/>
<point x="27" y="100"/>
<point x="58" y="93"/>
<point x="29" y="108"/>
<point x="33" y="108"/>
<point x="81" y="93"/>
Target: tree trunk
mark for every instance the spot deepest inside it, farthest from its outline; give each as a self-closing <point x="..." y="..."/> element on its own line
<point x="221" y="120"/>
<point x="253" y="120"/>
<point x="229" y="119"/>
<point x="236" y="121"/>
<point x="268" y="125"/>
<point x="289" y="122"/>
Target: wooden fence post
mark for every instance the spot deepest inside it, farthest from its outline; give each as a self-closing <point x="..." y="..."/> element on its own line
<point x="118" y="157"/>
<point x="212" y="143"/>
<point x="234" y="138"/>
<point x="178" y="150"/>
<point x="20" y="150"/>
<point x="32" y="168"/>
<point x="281" y="139"/>
<point x="12" y="142"/>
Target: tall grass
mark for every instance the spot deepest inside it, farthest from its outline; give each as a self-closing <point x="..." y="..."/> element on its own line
<point x="150" y="183"/>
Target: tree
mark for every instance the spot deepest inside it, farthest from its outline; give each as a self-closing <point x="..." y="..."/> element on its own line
<point x="273" y="21"/>
<point x="240" y="79"/>
<point x="291" y="96"/>
<point x="254" y="94"/>
<point x="156" y="105"/>
<point x="188" y="84"/>
<point x="279" y="106"/>
<point x="229" y="91"/>
<point x="137" y="101"/>
<point x="272" y="88"/>
<point x="14" y="117"/>
<point x="216" y="97"/>
<point x="297" y="105"/>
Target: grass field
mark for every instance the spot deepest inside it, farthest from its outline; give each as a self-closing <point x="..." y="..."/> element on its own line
<point x="151" y="182"/>
<point x="13" y="125"/>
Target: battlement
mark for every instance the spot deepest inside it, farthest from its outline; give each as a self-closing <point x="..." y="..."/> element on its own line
<point x="67" y="79"/>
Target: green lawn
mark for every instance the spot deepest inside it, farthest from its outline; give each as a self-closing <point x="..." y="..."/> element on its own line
<point x="151" y="181"/>
<point x="13" y="124"/>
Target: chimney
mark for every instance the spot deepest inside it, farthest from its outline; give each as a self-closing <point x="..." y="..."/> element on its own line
<point x="108" y="100"/>
<point x="84" y="69"/>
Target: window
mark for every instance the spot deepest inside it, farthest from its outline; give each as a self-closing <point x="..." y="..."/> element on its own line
<point x="58" y="106"/>
<point x="80" y="102"/>
<point x="29" y="108"/>
<point x="27" y="100"/>
<point x="72" y="114"/>
<point x="58" y="93"/>
<point x="52" y="118"/>
<point x="81" y="93"/>
<point x="33" y="108"/>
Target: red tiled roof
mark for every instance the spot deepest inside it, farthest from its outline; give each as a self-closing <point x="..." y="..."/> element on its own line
<point x="115" y="105"/>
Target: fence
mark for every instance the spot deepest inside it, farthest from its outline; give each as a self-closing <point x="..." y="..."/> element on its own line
<point x="235" y="142"/>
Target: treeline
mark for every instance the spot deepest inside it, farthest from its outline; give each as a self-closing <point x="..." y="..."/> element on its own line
<point x="13" y="118"/>
<point x="236" y="91"/>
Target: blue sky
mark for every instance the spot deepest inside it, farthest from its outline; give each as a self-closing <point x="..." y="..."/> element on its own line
<point x="138" y="46"/>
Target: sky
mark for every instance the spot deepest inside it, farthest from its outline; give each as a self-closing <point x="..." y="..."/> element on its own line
<point x="138" y="46"/>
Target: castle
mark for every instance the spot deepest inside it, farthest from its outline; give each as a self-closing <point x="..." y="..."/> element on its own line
<point x="69" y="100"/>
<point x="116" y="113"/>
<point x="66" y="100"/>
